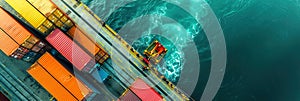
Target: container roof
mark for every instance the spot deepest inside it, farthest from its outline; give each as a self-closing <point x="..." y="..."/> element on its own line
<point x="144" y="91"/>
<point x="8" y="45"/>
<point x="69" y="49"/>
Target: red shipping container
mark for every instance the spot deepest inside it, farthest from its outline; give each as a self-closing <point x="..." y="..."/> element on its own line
<point x="69" y="49"/>
<point x="143" y="91"/>
<point x="129" y="96"/>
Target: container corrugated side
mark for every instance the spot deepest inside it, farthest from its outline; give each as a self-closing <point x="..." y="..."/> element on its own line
<point x="76" y="87"/>
<point x="8" y="45"/>
<point x="14" y="29"/>
<point x="48" y="9"/>
<point x="44" y="6"/>
<point x="83" y="40"/>
<point x="70" y="50"/>
<point x="49" y="83"/>
<point x="27" y="11"/>
<point x="144" y="91"/>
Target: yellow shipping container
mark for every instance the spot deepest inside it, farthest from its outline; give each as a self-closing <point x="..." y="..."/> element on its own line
<point x="30" y="14"/>
<point x="44" y="6"/>
<point x="49" y="10"/>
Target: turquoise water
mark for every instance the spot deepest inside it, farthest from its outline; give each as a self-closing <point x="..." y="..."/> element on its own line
<point x="262" y="40"/>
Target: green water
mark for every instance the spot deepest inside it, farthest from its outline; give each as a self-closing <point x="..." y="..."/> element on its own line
<point x="262" y="40"/>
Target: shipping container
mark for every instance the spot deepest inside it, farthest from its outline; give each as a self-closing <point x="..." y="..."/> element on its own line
<point x="51" y="11"/>
<point x="19" y="53"/>
<point x="100" y="75"/>
<point x="13" y="28"/>
<point x="70" y="50"/>
<point x="143" y="91"/>
<point x="39" y="47"/>
<point x="30" y="42"/>
<point x="31" y="57"/>
<point x="103" y="74"/>
<point x="49" y="83"/>
<point x="16" y="40"/>
<point x="54" y="15"/>
<point x="128" y="95"/>
<point x="98" y="53"/>
<point x="32" y="16"/>
<point x="44" y="6"/>
<point x="63" y="76"/>
<point x="8" y="45"/>
<point x="83" y="40"/>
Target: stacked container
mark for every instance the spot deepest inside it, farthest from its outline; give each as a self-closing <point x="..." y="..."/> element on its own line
<point x="94" y="50"/>
<point x="52" y="13"/>
<point x="49" y="10"/>
<point x="43" y="19"/>
<point x="47" y="17"/>
<point x="18" y="42"/>
<point x="70" y="50"/>
<point x="57" y="80"/>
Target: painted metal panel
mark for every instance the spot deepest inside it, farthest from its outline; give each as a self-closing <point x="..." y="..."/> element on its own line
<point x="8" y="45"/>
<point x="144" y="91"/>
<point x="70" y="50"/>
<point x="14" y="29"/>
<point x="66" y="79"/>
<point x="27" y="11"/>
<point x="83" y="40"/>
<point x="44" y="6"/>
<point x="49" y="83"/>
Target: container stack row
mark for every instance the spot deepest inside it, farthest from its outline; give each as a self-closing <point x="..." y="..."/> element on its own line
<point x="17" y="41"/>
<point x="49" y="18"/>
<point x="59" y="33"/>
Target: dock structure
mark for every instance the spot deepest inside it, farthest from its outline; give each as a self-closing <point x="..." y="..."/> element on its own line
<point x="16" y="84"/>
<point x="16" y="89"/>
<point x="123" y="63"/>
<point x="124" y="57"/>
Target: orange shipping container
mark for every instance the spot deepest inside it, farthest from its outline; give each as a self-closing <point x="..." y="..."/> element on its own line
<point x="99" y="53"/>
<point x="49" y="83"/>
<point x="54" y="68"/>
<point x="16" y="40"/>
<point x="14" y="29"/>
<point x="83" y="40"/>
<point x="8" y="45"/>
